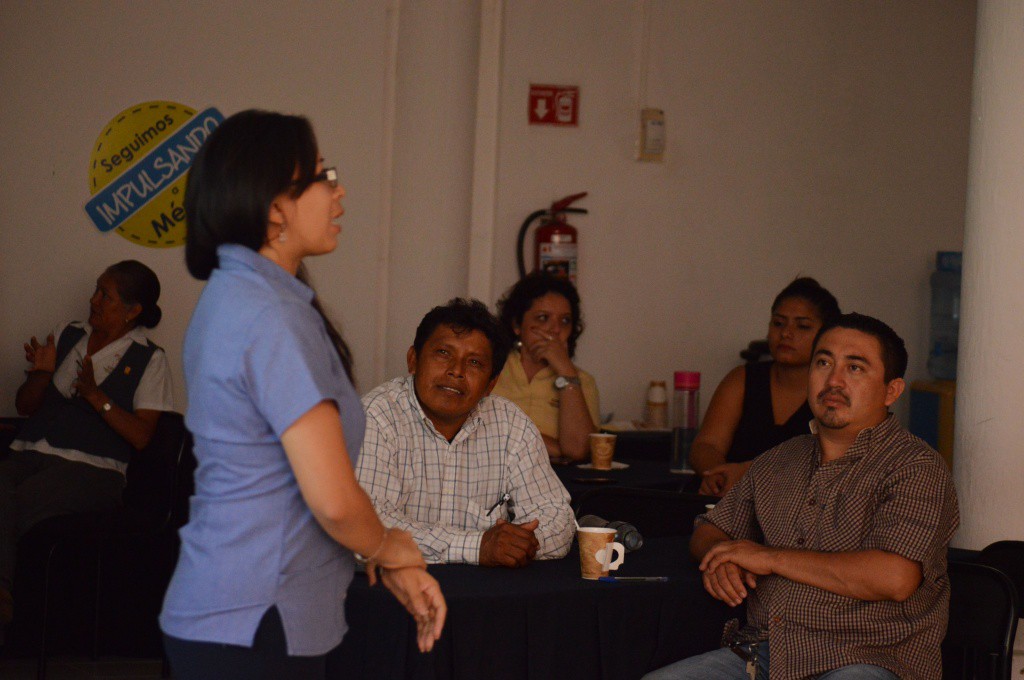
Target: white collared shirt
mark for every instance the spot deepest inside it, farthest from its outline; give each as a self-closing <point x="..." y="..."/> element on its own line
<point x="443" y="492"/>
<point x="153" y="393"/>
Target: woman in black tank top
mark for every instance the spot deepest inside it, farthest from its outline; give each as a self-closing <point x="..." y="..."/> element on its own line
<point x="760" y="405"/>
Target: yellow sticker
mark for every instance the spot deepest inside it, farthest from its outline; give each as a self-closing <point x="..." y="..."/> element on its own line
<point x="139" y="168"/>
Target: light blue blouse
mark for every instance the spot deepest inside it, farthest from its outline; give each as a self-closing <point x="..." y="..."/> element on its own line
<point x="257" y="357"/>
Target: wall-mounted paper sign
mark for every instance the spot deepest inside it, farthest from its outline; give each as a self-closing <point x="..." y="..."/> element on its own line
<point x="651" y="143"/>
<point x="139" y="167"/>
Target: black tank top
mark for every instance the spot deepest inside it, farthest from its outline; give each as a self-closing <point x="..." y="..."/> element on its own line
<point x="757" y="431"/>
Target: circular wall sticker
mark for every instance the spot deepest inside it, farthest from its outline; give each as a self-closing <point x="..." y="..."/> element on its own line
<point x="139" y="167"/>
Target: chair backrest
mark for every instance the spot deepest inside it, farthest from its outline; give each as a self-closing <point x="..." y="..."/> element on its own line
<point x="983" y="614"/>
<point x="154" y="473"/>
<point x="653" y="512"/>
<point x="1007" y="557"/>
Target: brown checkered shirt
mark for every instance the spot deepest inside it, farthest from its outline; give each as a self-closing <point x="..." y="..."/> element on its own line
<point x="890" y="492"/>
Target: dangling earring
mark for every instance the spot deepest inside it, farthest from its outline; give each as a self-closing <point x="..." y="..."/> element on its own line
<point x="282" y="237"/>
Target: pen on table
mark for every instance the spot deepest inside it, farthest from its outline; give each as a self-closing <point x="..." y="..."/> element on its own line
<point x="501" y="501"/>
<point x="649" y="579"/>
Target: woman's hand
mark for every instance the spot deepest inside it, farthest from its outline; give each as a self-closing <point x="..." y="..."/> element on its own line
<point x="85" y="383"/>
<point x="719" y="479"/>
<point x="554" y="352"/>
<point x="420" y="594"/>
<point x="397" y="551"/>
<point x="42" y="357"/>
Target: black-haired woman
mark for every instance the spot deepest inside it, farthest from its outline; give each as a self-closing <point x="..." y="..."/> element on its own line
<point x="266" y="558"/>
<point x="758" y="406"/>
<point x="93" y="394"/>
<point x="542" y="313"/>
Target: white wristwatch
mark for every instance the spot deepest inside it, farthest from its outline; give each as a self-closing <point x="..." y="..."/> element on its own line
<point x="563" y="381"/>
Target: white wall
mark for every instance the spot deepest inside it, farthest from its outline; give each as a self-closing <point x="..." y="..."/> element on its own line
<point x="820" y="138"/>
<point x="433" y="166"/>
<point x="69" y="67"/>
<point x="817" y="138"/>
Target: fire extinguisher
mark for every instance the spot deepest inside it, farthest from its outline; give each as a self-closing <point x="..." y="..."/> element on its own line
<point x="555" y="241"/>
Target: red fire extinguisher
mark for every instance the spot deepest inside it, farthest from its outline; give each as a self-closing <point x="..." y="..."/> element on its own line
<point x="555" y="241"/>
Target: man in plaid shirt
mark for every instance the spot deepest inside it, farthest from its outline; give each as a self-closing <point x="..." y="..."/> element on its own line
<point x="837" y="539"/>
<point x="465" y="473"/>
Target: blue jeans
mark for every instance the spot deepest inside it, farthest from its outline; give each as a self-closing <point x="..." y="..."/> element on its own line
<point x="725" y="664"/>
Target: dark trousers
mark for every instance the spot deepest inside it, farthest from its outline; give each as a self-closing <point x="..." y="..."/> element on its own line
<point x="35" y="486"/>
<point x="267" y="659"/>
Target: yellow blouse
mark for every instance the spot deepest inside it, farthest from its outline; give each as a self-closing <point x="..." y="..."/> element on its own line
<point x="538" y="397"/>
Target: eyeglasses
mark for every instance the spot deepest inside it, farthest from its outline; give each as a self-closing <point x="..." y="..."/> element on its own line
<point x="329" y="175"/>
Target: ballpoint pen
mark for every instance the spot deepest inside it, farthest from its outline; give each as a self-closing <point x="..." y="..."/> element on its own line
<point x="501" y="501"/>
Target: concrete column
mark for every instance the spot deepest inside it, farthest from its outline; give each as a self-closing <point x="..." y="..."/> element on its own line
<point x="989" y="445"/>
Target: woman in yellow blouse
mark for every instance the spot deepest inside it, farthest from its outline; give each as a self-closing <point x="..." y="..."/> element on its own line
<point x="542" y="313"/>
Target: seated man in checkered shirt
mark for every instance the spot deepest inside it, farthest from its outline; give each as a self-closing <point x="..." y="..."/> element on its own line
<point x="465" y="473"/>
<point x="837" y="539"/>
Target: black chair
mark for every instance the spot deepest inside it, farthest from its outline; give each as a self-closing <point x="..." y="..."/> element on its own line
<point x="118" y="562"/>
<point x="1007" y="557"/>
<point x="653" y="512"/>
<point x="983" y="612"/>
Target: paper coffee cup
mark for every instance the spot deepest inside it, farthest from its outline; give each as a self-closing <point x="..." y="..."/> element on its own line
<point x="602" y="450"/>
<point x="598" y="552"/>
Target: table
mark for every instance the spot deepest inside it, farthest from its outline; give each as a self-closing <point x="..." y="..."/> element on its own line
<point x="641" y="474"/>
<point x="539" y="622"/>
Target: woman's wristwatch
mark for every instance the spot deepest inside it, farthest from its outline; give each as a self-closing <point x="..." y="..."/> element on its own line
<point x="563" y="381"/>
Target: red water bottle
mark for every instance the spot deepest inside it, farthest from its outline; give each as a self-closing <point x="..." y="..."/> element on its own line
<point x="685" y="410"/>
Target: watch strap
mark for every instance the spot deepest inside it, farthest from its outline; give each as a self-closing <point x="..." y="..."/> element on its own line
<point x="563" y="381"/>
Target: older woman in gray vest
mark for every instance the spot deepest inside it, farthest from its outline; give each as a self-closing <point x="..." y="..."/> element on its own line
<point x="93" y="394"/>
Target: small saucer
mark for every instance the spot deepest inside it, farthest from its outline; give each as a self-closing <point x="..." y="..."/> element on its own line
<point x="616" y="465"/>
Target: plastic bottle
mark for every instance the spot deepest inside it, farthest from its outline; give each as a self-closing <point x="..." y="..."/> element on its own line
<point x="685" y="407"/>
<point x="625" y="533"/>
<point x="656" y="412"/>
<point x="943" y="338"/>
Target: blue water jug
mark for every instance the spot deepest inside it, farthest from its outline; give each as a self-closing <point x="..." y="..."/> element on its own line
<point x="945" y="316"/>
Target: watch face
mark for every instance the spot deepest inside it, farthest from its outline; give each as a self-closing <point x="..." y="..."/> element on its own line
<point x="561" y="382"/>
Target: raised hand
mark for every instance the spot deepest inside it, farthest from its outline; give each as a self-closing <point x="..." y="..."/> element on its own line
<point x="43" y="357"/>
<point x="553" y="351"/>
<point x="85" y="383"/>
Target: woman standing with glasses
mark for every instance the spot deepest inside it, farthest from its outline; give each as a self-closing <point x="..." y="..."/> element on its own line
<point x="266" y="557"/>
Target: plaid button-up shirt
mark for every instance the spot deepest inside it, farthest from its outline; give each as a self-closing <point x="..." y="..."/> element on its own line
<point x="889" y="492"/>
<point x="442" y="492"/>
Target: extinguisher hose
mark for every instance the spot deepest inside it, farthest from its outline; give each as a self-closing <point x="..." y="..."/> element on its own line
<point x="521" y="239"/>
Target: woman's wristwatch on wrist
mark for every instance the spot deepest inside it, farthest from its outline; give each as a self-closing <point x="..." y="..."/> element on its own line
<point x="563" y="381"/>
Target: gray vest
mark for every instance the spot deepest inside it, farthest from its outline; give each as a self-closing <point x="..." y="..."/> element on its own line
<point x="74" y="423"/>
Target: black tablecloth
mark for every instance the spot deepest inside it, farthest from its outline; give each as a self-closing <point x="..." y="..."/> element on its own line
<point x="642" y="474"/>
<point x="539" y="622"/>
